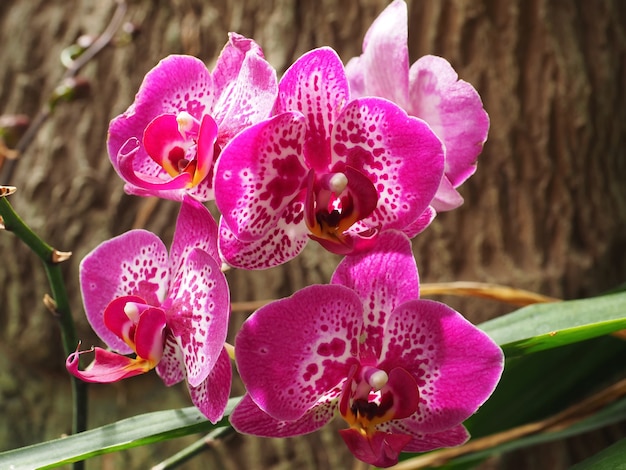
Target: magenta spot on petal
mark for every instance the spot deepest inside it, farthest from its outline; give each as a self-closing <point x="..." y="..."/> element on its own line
<point x="335" y="348"/>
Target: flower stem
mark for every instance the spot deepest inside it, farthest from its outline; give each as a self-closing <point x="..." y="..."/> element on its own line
<point x="59" y="303"/>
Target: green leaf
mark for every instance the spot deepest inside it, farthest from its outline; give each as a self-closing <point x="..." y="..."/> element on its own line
<point x="611" y="414"/>
<point x="539" y="385"/>
<point x="132" y="432"/>
<point x="545" y="326"/>
<point x="611" y="458"/>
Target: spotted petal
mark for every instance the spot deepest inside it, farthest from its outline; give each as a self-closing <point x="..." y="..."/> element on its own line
<point x="424" y="442"/>
<point x="316" y="86"/>
<point x="423" y="221"/>
<point x="400" y="154"/>
<point x="380" y="449"/>
<point x="246" y="86"/>
<point x="171" y="367"/>
<point x="281" y="243"/>
<point x="456" y="365"/>
<point x="134" y="263"/>
<point x="259" y="174"/>
<point x="177" y="83"/>
<point x="287" y="369"/>
<point x="195" y="228"/>
<point x="198" y="315"/>
<point x="383" y="278"/>
<point x="211" y="395"/>
<point x="248" y="418"/>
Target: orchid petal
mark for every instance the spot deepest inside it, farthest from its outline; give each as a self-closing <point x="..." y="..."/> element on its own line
<point x="400" y="154"/>
<point x="355" y="73"/>
<point x="316" y="86"/>
<point x="145" y="184"/>
<point x="419" y="224"/>
<point x="380" y="449"/>
<point x="383" y="68"/>
<point x="134" y="263"/>
<point x="425" y="442"/>
<point x="287" y="369"/>
<point x="353" y="242"/>
<point x="164" y="143"/>
<point x="195" y="228"/>
<point x="150" y="335"/>
<point x="282" y="242"/>
<point x="107" y="366"/>
<point x="383" y="278"/>
<point x="248" y="418"/>
<point x="118" y="321"/>
<point x="445" y="353"/>
<point x="198" y="316"/>
<point x="246" y="86"/>
<point x="171" y="367"/>
<point x="405" y="393"/>
<point x="177" y="83"/>
<point x="211" y="395"/>
<point x="447" y="197"/>
<point x="259" y="174"/>
<point x="453" y="109"/>
<point x="207" y="138"/>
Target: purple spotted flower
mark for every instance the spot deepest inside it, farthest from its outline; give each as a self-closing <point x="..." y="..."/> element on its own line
<point x="323" y="167"/>
<point x="167" y="142"/>
<point x="403" y="373"/>
<point x="169" y="312"/>
<point x="429" y="89"/>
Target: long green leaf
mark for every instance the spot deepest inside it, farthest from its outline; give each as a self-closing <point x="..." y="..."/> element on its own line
<point x="536" y="386"/>
<point x="611" y="414"/>
<point x="132" y="432"/>
<point x="611" y="458"/>
<point x="544" y="326"/>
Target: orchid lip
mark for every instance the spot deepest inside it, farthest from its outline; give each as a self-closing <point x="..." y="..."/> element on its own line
<point x="335" y="202"/>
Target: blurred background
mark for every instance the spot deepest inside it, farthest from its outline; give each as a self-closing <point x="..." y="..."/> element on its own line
<point x="546" y="210"/>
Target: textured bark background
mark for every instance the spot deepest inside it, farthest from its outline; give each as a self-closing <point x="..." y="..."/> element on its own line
<point x="546" y="210"/>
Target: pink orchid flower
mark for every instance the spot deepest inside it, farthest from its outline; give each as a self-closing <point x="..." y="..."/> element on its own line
<point x="429" y="89"/>
<point x="170" y="312"/>
<point x="167" y="142"/>
<point x="323" y="167"/>
<point x="403" y="373"/>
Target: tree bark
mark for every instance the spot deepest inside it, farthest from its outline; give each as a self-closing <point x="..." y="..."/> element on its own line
<point x="545" y="211"/>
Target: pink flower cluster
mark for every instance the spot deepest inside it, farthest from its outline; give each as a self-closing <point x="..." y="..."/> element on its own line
<point x="357" y="158"/>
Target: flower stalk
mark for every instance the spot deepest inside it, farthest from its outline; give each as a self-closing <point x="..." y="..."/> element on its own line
<point x="50" y="257"/>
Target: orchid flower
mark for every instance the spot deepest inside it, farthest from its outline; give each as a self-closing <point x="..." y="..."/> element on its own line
<point x="167" y="142"/>
<point x="170" y="313"/>
<point x="403" y="373"/>
<point x="429" y="89"/>
<point x="323" y="167"/>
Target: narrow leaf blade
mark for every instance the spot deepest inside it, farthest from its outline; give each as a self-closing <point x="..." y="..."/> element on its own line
<point x="545" y="326"/>
<point x="125" y="434"/>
